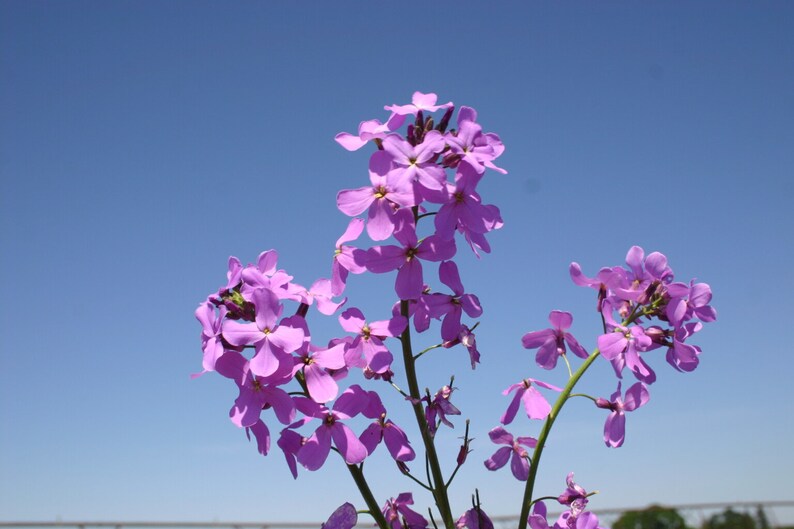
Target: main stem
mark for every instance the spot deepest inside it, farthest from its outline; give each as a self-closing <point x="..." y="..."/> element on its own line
<point x="369" y="499"/>
<point x="544" y="434"/>
<point x="438" y="485"/>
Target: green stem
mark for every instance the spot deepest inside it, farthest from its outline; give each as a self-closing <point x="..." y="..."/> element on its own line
<point x="544" y="434"/>
<point x="572" y="395"/>
<point x="439" y="487"/>
<point x="420" y="353"/>
<point x="369" y="499"/>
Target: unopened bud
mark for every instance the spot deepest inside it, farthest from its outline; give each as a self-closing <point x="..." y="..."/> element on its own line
<point x="444" y="123"/>
<point x="403" y="468"/>
<point x="463" y="453"/>
<point x="603" y="403"/>
<point x="409" y="135"/>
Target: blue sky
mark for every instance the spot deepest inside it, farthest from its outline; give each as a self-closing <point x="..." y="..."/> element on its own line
<point x="142" y="143"/>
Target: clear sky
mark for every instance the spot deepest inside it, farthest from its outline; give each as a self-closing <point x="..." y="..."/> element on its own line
<point x="142" y="143"/>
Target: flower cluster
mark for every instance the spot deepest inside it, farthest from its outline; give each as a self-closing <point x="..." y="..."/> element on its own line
<point x="422" y="201"/>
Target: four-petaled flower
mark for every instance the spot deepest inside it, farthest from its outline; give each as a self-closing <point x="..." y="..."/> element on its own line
<point x="399" y="516"/>
<point x="451" y="307"/>
<point x="406" y="259"/>
<point x="551" y="342"/>
<point x="273" y="342"/>
<point x="315" y="450"/>
<point x="516" y="447"/>
<point x="438" y="408"/>
<point x="615" y="426"/>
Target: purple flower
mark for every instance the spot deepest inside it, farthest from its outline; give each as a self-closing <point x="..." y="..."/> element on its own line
<point x="407" y="259"/>
<point x="344" y="517"/>
<point x="643" y="278"/>
<point x="574" y="495"/>
<point x="467" y="338"/>
<point x="315" y="363"/>
<point x="438" y="408"/>
<point x="682" y="356"/>
<point x="273" y="342"/>
<point x="519" y="462"/>
<point x="474" y="518"/>
<point x="452" y="307"/>
<point x="615" y="426"/>
<point x="381" y="199"/>
<point x="475" y="148"/>
<point x="384" y="429"/>
<point x="567" y="520"/>
<point x="537" y="519"/>
<point x="399" y="516"/>
<point x="256" y="393"/>
<point x="688" y="301"/>
<point x="368" y="341"/>
<point x="464" y="210"/>
<point x="551" y="342"/>
<point x="535" y="404"/>
<point x="622" y="348"/>
<point x="290" y="443"/>
<point x="315" y="450"/>
<point x="584" y="520"/>
<point x="416" y="165"/>
<point x="265" y="275"/>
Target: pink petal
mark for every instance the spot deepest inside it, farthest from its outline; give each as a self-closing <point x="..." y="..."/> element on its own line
<point x="315" y="451"/>
<point x="409" y="284"/>
<point x="349" y="142"/>
<point x="560" y="320"/>
<point x="536" y="406"/>
<point x="501" y="436"/>
<point x="352" y="232"/>
<point x="520" y="467"/>
<point x="397" y="443"/>
<point x="353" y="450"/>
<point x="322" y="387"/>
<point x="239" y="333"/>
<point x="499" y="458"/>
<point x="354" y="202"/>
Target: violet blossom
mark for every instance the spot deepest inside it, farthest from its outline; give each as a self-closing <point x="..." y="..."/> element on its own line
<point x="451" y="307"/>
<point x="615" y="426"/>
<point x="367" y="348"/>
<point x="515" y="451"/>
<point x="273" y="342"/>
<point x="380" y="199"/>
<point x="551" y="342"/>
<point x="474" y="518"/>
<point x="256" y="393"/>
<point x="384" y="429"/>
<point x="399" y="516"/>
<point x="438" y="408"/>
<point x="315" y="449"/>
<point x="407" y="258"/>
